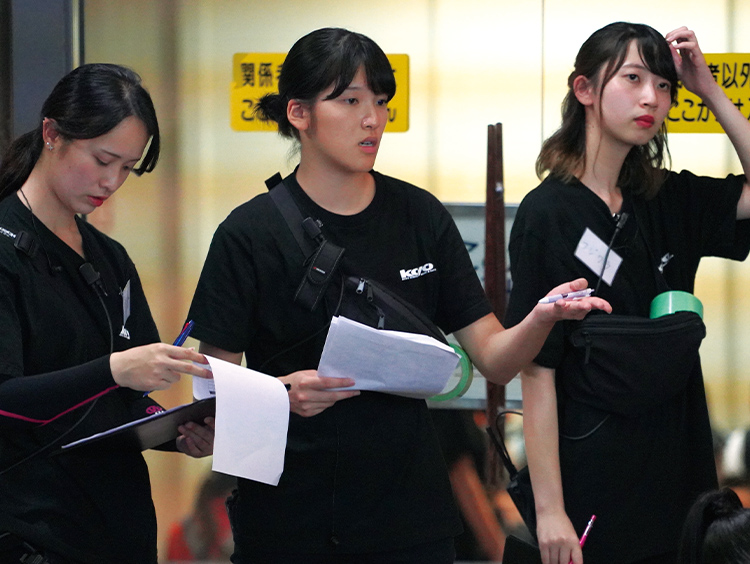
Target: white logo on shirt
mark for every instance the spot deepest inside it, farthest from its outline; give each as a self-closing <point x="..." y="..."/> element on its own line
<point x="417" y="272"/>
<point x="664" y="261"/>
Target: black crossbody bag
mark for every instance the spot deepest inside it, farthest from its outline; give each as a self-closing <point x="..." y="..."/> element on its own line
<point x="519" y="481"/>
<point x="359" y="298"/>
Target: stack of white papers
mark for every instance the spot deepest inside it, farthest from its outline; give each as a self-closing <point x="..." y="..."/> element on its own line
<point x="394" y="362"/>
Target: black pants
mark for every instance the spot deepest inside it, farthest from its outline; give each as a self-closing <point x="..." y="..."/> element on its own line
<point x="435" y="552"/>
<point x="668" y="558"/>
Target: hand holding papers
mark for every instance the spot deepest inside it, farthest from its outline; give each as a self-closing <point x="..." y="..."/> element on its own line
<point x="394" y="362"/>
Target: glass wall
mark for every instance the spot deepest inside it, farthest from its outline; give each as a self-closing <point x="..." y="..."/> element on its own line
<point x="472" y="63"/>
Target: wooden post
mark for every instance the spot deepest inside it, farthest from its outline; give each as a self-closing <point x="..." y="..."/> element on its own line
<point x="494" y="270"/>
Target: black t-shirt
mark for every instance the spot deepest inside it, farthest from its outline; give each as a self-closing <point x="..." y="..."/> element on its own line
<point x="367" y="473"/>
<point x="638" y="475"/>
<point x="90" y="506"/>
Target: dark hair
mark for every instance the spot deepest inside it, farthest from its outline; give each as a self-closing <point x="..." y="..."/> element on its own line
<point x="325" y="57"/>
<point x="599" y="59"/>
<point x="716" y="531"/>
<point x="89" y="101"/>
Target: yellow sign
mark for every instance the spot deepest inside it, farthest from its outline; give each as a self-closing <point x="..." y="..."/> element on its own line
<point x="732" y="72"/>
<point x="256" y="74"/>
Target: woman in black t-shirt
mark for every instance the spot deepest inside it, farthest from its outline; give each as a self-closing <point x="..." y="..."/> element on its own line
<point x="638" y="471"/>
<point x="363" y="480"/>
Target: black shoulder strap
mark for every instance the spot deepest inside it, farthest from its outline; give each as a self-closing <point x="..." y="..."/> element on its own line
<point x="290" y="211"/>
<point x="321" y="256"/>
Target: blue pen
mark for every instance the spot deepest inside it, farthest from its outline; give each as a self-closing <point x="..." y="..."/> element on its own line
<point x="180" y="340"/>
<point x="182" y="337"/>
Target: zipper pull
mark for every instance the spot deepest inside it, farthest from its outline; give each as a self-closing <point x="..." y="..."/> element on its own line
<point x="361" y="285"/>
<point x="369" y="293"/>
<point x="588" y="348"/>
<point x="381" y="318"/>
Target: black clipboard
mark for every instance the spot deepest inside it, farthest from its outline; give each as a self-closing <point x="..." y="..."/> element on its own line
<point x="520" y="551"/>
<point x="150" y="431"/>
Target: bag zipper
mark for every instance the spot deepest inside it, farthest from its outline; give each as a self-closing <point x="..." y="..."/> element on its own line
<point x="363" y="285"/>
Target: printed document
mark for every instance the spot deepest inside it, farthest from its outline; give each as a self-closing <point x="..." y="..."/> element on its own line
<point x="394" y="362"/>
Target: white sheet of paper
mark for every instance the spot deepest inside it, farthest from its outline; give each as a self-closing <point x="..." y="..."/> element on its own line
<point x="252" y="418"/>
<point x="394" y="362"/>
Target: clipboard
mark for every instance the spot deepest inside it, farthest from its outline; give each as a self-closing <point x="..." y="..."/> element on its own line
<point x="149" y="432"/>
<point x="520" y="551"/>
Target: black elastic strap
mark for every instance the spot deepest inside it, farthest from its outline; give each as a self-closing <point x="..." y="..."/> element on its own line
<point x="290" y="211"/>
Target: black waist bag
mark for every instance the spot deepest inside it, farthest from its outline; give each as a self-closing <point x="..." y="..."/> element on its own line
<point x="625" y="364"/>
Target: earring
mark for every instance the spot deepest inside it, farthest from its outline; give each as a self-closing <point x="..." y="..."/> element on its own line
<point x="49" y="146"/>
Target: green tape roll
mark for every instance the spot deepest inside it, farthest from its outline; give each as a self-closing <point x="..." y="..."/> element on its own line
<point x="467" y="376"/>
<point x="673" y="301"/>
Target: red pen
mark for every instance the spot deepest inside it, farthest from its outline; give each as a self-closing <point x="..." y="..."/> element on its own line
<point x="585" y="534"/>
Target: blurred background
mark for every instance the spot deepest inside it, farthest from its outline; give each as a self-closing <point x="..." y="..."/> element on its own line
<point x="472" y="63"/>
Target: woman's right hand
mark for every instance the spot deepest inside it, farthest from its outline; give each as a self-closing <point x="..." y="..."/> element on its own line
<point x="156" y="366"/>
<point x="311" y="394"/>
<point x="558" y="541"/>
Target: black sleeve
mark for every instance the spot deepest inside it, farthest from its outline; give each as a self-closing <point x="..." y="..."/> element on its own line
<point x="712" y="213"/>
<point x="532" y="266"/>
<point x="36" y="400"/>
<point x="223" y="303"/>
<point x="462" y="300"/>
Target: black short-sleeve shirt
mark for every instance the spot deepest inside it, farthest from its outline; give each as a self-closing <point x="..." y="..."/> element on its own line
<point x="366" y="474"/>
<point x="639" y="475"/>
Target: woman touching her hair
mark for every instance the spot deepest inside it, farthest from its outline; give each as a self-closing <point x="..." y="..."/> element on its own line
<point x="637" y="465"/>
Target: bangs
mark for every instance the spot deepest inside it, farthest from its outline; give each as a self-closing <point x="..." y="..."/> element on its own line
<point x="657" y="56"/>
<point x="356" y="54"/>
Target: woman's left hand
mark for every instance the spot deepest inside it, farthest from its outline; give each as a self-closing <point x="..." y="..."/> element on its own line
<point x="197" y="440"/>
<point x="688" y="58"/>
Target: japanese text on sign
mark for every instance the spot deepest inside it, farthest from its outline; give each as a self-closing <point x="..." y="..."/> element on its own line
<point x="256" y="74"/>
<point x="732" y="72"/>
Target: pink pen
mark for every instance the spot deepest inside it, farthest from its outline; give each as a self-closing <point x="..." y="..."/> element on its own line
<point x="587" y="531"/>
<point x="585" y="534"/>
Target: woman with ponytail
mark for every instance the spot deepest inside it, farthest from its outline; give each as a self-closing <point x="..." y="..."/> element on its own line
<point x="364" y="480"/>
<point x="79" y="346"/>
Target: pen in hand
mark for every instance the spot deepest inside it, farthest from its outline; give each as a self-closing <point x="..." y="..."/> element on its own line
<point x="567" y="296"/>
<point x="180" y="340"/>
<point x="585" y="534"/>
<point x="182" y="337"/>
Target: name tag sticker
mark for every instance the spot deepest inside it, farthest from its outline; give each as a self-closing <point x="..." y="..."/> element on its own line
<point x="591" y="251"/>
